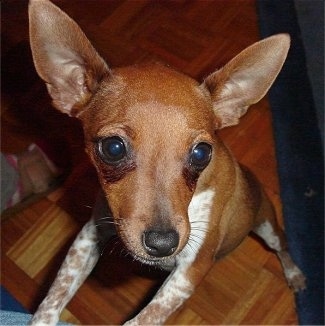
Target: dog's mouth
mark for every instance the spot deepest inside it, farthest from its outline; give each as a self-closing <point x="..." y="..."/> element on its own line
<point x="166" y="263"/>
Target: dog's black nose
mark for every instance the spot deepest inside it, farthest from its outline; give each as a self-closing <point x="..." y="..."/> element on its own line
<point x="160" y="243"/>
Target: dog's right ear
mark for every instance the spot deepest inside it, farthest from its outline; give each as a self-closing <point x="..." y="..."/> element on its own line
<point x="64" y="57"/>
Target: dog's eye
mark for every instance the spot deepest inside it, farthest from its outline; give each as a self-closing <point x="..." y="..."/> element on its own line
<point x="200" y="156"/>
<point x="112" y="149"/>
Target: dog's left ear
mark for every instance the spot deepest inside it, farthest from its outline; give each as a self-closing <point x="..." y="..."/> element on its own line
<point x="63" y="57"/>
<point x="246" y="78"/>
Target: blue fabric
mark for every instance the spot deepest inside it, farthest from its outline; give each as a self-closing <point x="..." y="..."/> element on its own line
<point x="18" y="318"/>
<point x="300" y="158"/>
<point x="14" y="318"/>
<point x="8" y="302"/>
<point x="12" y="312"/>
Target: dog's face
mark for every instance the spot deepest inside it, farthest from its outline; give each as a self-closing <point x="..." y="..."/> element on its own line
<point x="150" y="132"/>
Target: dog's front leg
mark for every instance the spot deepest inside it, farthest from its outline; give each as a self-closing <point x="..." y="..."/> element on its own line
<point x="79" y="262"/>
<point x="177" y="288"/>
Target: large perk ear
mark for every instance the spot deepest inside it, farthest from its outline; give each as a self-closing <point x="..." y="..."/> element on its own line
<point x="63" y="57"/>
<point x="246" y="78"/>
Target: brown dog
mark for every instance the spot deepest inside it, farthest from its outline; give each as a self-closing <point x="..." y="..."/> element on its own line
<point x="178" y="197"/>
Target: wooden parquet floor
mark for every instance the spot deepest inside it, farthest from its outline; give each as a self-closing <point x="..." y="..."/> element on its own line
<point x="196" y="37"/>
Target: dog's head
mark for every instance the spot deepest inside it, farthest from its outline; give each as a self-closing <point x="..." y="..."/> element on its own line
<point x="150" y="131"/>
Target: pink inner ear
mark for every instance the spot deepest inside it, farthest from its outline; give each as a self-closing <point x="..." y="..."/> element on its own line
<point x="63" y="56"/>
<point x="246" y="78"/>
<point x="68" y="88"/>
<point x="228" y="118"/>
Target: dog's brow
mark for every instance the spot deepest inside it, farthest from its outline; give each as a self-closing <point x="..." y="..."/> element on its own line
<point x="121" y="129"/>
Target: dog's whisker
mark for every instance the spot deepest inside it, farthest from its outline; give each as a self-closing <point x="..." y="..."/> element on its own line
<point x="103" y="248"/>
<point x="192" y="245"/>
<point x="193" y="222"/>
<point x="106" y="222"/>
<point x="115" y="246"/>
<point x="200" y="229"/>
<point x="196" y="237"/>
<point x="125" y="253"/>
<point x="105" y="218"/>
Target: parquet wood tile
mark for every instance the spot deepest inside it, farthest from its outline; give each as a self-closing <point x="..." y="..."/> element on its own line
<point x="196" y="37"/>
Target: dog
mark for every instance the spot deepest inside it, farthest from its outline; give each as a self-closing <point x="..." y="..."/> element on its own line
<point x="177" y="195"/>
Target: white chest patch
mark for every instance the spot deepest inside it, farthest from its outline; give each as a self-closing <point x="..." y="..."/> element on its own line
<point x="199" y="212"/>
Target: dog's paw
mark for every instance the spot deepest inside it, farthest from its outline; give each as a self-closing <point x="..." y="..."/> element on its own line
<point x="296" y="279"/>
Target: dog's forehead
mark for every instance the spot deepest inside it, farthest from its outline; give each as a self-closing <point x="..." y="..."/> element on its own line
<point x="153" y="91"/>
<point x="155" y="82"/>
<point x="160" y="123"/>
